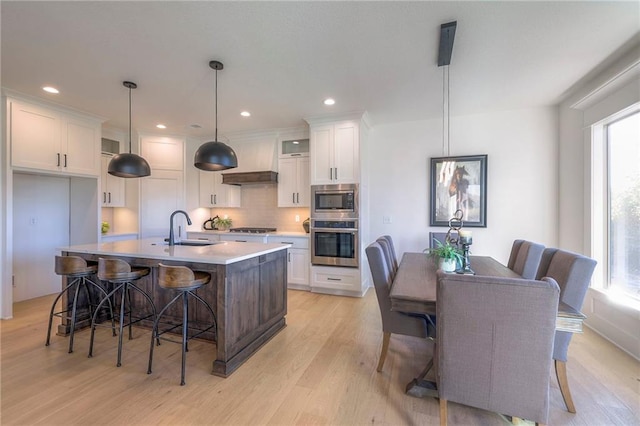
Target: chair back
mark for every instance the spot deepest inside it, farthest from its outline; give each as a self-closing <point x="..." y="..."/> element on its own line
<point x="489" y="354"/>
<point x="388" y="257"/>
<point x="525" y="258"/>
<point x="573" y="273"/>
<point x="392" y="249"/>
<point x="392" y="321"/>
<point x="441" y="237"/>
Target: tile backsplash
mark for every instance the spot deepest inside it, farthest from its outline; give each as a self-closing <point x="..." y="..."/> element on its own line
<point x="260" y="209"/>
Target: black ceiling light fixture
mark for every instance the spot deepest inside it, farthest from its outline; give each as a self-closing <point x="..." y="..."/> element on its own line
<point x="213" y="156"/>
<point x="447" y="35"/>
<point x="128" y="165"/>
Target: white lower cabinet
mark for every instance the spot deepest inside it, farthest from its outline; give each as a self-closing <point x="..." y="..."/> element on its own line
<point x="205" y="236"/>
<point x="243" y="238"/>
<point x="337" y="280"/>
<point x="298" y="261"/>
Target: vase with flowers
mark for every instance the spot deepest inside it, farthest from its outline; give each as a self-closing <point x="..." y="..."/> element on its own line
<point x="447" y="255"/>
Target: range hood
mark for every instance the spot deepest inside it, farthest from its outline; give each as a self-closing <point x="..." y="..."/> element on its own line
<point x="250" y="178"/>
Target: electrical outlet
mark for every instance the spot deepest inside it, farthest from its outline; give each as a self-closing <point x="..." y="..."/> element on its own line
<point x="297" y="218"/>
<point x="386" y="220"/>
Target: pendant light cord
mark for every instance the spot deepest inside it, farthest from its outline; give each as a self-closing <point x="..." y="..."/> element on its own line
<point x="216" y="139"/>
<point x="446" y="113"/>
<point x="129" y="119"/>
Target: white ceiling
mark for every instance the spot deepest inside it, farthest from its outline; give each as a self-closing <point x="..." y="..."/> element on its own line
<point x="283" y="58"/>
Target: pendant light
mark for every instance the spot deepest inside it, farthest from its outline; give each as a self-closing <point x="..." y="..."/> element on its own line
<point x="128" y="165"/>
<point x="447" y="36"/>
<point x="214" y="155"/>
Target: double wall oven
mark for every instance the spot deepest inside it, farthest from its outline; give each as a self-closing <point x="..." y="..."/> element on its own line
<point x="334" y="225"/>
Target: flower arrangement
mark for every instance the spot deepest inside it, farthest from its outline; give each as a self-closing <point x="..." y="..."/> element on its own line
<point x="222" y="223"/>
<point x="446" y="254"/>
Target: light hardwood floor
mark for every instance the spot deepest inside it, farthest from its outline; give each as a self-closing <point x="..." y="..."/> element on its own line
<point x="320" y="370"/>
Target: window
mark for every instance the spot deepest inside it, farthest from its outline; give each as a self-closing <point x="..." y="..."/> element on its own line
<point x="622" y="239"/>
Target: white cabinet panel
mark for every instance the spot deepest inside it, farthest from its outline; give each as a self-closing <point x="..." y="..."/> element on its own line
<point x="45" y="139"/>
<point x="160" y="195"/>
<point x="162" y="153"/>
<point x="213" y="193"/>
<point x="113" y="187"/>
<point x="335" y="153"/>
<point x="293" y="182"/>
<point x="80" y="147"/>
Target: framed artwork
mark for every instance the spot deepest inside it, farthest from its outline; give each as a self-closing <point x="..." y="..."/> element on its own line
<point x="459" y="183"/>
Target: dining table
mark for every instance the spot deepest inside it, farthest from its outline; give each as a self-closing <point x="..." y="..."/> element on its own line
<point x="414" y="291"/>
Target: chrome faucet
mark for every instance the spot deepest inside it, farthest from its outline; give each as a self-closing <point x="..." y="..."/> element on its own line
<point x="172" y="241"/>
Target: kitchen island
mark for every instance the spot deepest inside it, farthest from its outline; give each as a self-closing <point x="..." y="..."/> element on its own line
<point x="247" y="291"/>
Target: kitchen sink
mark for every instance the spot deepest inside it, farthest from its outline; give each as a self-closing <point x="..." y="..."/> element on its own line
<point x="190" y="243"/>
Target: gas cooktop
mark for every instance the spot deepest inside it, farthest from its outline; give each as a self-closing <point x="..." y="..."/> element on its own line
<point x="253" y="230"/>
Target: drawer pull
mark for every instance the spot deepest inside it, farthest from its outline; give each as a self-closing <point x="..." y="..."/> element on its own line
<point x="334" y="279"/>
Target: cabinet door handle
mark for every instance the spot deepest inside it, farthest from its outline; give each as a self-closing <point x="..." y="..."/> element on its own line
<point x="293" y="197"/>
<point x="104" y="198"/>
<point x="211" y="196"/>
<point x="109" y="198"/>
<point x="58" y="154"/>
<point x="336" y="173"/>
<point x="215" y="199"/>
<point x="298" y="197"/>
<point x="289" y="257"/>
<point x="241" y="241"/>
<point x="65" y="160"/>
<point x="334" y="279"/>
<point x="330" y="173"/>
<point x="296" y="155"/>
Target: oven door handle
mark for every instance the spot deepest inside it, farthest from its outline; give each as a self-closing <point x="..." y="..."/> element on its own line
<point x="336" y="230"/>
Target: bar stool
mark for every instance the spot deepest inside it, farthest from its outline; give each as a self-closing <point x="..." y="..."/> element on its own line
<point x="122" y="276"/>
<point x="185" y="281"/>
<point x="77" y="270"/>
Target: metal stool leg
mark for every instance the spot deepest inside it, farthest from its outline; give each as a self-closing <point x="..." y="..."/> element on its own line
<point x="95" y="314"/>
<point x="74" y="314"/>
<point x="125" y="289"/>
<point x="185" y="329"/>
<point x="53" y="308"/>
<point x="155" y="333"/>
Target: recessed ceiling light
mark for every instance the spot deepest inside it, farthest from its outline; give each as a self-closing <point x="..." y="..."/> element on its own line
<point x="161" y="126"/>
<point x="50" y="89"/>
<point x="245" y="114"/>
<point x="329" y="101"/>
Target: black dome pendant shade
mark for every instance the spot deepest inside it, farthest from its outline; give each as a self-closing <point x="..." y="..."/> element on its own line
<point x="214" y="156"/>
<point x="128" y="165"/>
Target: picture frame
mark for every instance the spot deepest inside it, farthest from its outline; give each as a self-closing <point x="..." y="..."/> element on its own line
<point x="459" y="183"/>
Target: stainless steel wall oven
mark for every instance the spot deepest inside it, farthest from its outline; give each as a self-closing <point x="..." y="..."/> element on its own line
<point x="335" y="242"/>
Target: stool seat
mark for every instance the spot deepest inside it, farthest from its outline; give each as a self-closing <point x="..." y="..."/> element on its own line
<point x="122" y="276"/>
<point x="117" y="271"/>
<point x="185" y="282"/>
<point x="74" y="266"/>
<point x="77" y="270"/>
<point x="181" y="277"/>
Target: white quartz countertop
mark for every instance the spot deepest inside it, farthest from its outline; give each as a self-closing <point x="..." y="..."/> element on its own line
<point x="219" y="253"/>
<point x="268" y="234"/>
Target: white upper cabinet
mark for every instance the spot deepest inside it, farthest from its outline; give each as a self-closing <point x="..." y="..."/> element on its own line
<point x="112" y="191"/>
<point x="213" y="193"/>
<point x="162" y="152"/>
<point x="293" y="182"/>
<point x="335" y="153"/>
<point x="45" y="139"/>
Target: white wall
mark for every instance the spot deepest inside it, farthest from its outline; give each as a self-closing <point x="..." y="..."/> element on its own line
<point x="614" y="88"/>
<point x="522" y="194"/>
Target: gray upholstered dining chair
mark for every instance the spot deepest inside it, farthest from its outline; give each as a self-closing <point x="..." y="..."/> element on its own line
<point x="525" y="258"/>
<point x="573" y="273"/>
<point x="488" y="355"/>
<point x="390" y="255"/>
<point x="392" y="321"/>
